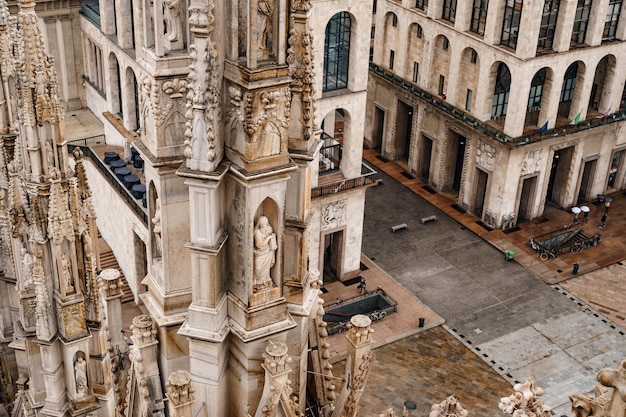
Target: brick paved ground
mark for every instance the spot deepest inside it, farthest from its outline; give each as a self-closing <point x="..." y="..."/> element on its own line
<point x="425" y="369"/>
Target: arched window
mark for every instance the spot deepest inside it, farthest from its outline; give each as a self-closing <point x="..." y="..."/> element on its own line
<point x="569" y="83"/>
<point x="501" y="92"/>
<point x="337" y="52"/>
<point x="536" y="89"/>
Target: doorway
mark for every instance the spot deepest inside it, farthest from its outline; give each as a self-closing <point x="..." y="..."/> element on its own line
<point x="524" y="210"/>
<point x="404" y="124"/>
<point x="379" y="125"/>
<point x="559" y="173"/>
<point x="458" y="164"/>
<point x="333" y="255"/>
<point x="425" y="154"/>
<point x="481" y="190"/>
<point x="584" y="192"/>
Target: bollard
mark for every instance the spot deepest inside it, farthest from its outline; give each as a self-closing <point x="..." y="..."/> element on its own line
<point x="421" y="321"/>
<point x="575" y="269"/>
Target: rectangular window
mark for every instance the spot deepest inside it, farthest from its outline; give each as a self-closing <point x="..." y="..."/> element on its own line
<point x="416" y="68"/>
<point x="449" y="10"/>
<point x="479" y="16"/>
<point x="622" y="104"/>
<point x="548" y="24"/>
<point x="567" y="92"/>
<point x="394" y="20"/>
<point x="510" y="25"/>
<point x="392" y="57"/>
<point x="474" y="57"/>
<point x="421" y="4"/>
<point x="373" y="32"/>
<point x="499" y="104"/>
<point x="446" y="44"/>
<point x="420" y="31"/>
<point x="534" y="98"/>
<point x="374" y="7"/>
<point x="468" y="100"/>
<point x="612" y="17"/>
<point x="371" y="54"/>
<point x="581" y="21"/>
<point x="442" y="83"/>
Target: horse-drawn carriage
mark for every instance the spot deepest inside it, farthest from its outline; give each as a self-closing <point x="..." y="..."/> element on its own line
<point x="571" y="239"/>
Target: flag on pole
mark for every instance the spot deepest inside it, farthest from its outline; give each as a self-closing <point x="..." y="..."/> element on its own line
<point x="543" y="128"/>
<point x="575" y="120"/>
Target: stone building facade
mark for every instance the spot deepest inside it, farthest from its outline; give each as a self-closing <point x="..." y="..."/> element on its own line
<point x="247" y="200"/>
<point x="505" y="105"/>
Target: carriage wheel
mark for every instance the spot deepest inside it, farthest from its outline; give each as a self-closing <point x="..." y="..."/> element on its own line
<point x="576" y="248"/>
<point x="543" y="256"/>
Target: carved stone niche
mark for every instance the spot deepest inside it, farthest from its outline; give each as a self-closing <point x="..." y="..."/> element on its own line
<point x="71" y="320"/>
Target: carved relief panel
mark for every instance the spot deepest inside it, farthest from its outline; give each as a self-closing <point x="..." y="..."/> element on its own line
<point x="333" y="215"/>
<point x="485" y="156"/>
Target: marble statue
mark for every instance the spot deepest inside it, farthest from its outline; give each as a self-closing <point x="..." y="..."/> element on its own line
<point x="80" y="373"/>
<point x="27" y="262"/>
<point x="264" y="23"/>
<point x="156" y="221"/>
<point x="172" y="19"/>
<point x="264" y="253"/>
<point x="67" y="273"/>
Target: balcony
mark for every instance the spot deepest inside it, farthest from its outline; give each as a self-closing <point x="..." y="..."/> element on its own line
<point x="489" y="129"/>
<point x="331" y="179"/>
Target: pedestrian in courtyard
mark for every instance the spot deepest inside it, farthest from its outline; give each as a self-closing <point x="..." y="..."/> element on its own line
<point x="361" y="286"/>
<point x="603" y="221"/>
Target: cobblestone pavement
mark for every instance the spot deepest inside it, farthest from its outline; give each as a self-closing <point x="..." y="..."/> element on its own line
<point x="425" y="369"/>
<point x="500" y="310"/>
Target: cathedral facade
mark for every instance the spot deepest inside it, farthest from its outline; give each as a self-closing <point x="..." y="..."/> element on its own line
<point x="250" y="131"/>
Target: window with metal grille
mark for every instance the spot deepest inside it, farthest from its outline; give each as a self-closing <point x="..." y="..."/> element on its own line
<point x="536" y="90"/>
<point x="501" y="92"/>
<point x="337" y="52"/>
<point x="569" y="82"/>
<point x="548" y="24"/>
<point x="510" y="25"/>
<point x="449" y="10"/>
<point x="416" y="68"/>
<point x="479" y="16"/>
<point x="581" y="21"/>
<point x="612" y="18"/>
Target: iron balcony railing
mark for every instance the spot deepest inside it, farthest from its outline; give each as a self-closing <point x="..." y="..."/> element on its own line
<point x="366" y="178"/>
<point x="137" y="208"/>
<point x="483" y="127"/>
<point x="330" y="154"/>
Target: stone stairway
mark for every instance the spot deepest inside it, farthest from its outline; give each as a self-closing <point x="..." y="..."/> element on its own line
<point x="108" y="261"/>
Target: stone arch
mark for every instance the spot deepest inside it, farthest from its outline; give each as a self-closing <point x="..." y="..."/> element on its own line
<point x="539" y="90"/>
<point x="571" y="90"/>
<point x="116" y="105"/>
<point x="131" y="86"/>
<point x="440" y="66"/>
<point x="469" y="70"/>
<point x="337" y="124"/>
<point x="600" y="96"/>
<point x="415" y="50"/>
<point x="270" y="209"/>
<point x="500" y="86"/>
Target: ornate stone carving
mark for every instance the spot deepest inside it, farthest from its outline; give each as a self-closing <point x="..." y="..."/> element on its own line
<point x="587" y="405"/>
<point x="175" y="88"/>
<point x="267" y="120"/>
<point x="201" y="17"/>
<point x="333" y="215"/>
<point x="300" y="58"/>
<point x="450" y="407"/>
<point x="485" y="156"/>
<point x="301" y="5"/>
<point x="532" y="162"/>
<point x="525" y="402"/>
<point x="44" y="309"/>
<point x="179" y="388"/>
<point x="616" y="379"/>
<point x="144" y="330"/>
<point x="235" y="137"/>
<point x="264" y="254"/>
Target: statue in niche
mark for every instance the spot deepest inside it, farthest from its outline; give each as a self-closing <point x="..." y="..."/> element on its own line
<point x="49" y="155"/>
<point x="172" y="19"/>
<point x="80" y="374"/>
<point x="156" y="221"/>
<point x="66" y="267"/>
<point x="264" y="23"/>
<point x="27" y="262"/>
<point x="264" y="253"/>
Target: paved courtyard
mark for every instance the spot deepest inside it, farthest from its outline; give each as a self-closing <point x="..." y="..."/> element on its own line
<point x="516" y="323"/>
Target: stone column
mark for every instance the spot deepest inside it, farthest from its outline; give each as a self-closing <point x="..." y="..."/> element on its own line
<point x="358" y="366"/>
<point x="493" y="25"/>
<point x="529" y="30"/>
<point x="595" y="26"/>
<point x="180" y="394"/>
<point x="564" y="25"/>
<point x="518" y="103"/>
<point x="276" y="366"/>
